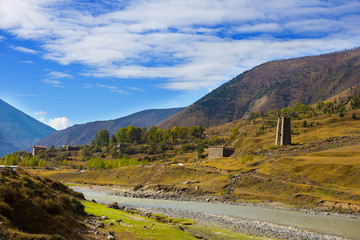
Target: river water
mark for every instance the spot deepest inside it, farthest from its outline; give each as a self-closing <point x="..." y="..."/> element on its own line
<point x="325" y="224"/>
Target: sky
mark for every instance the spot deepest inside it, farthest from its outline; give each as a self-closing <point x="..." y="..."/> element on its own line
<point x="67" y="62"/>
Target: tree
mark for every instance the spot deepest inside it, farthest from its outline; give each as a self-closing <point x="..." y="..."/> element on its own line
<point x="121" y="136"/>
<point x="175" y="133"/>
<point x="183" y="132"/>
<point x="112" y="141"/>
<point x="196" y="132"/>
<point x="102" y="138"/>
<point x="131" y="134"/>
<point x="234" y="133"/>
<point x="154" y="135"/>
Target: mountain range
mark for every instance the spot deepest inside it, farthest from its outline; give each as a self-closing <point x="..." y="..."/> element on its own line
<point x="84" y="133"/>
<point x="269" y="86"/>
<point x="274" y="85"/>
<point x="19" y="131"/>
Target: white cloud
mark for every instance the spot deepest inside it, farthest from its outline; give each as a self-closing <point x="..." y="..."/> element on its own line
<point x="27" y="61"/>
<point x="40" y="113"/>
<point x="189" y="43"/>
<point x="111" y="88"/>
<point x="58" y="75"/>
<point x="59" y="123"/>
<point x="54" y="83"/>
<point x="24" y="50"/>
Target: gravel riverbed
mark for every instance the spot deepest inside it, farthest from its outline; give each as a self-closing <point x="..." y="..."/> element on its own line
<point x="245" y="226"/>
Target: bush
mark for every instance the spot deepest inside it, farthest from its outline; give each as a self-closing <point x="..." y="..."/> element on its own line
<point x="64" y="200"/>
<point x="77" y="206"/>
<point x="8" y="194"/>
<point x="56" y="237"/>
<point x="6" y="210"/>
<point x="341" y="114"/>
<point x="353" y="116"/>
<point x="38" y="202"/>
<point x="52" y="207"/>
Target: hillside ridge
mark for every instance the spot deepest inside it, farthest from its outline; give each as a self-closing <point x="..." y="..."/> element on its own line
<point x="83" y="133"/>
<point x="273" y="85"/>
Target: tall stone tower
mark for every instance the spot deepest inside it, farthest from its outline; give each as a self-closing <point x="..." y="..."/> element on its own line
<point x="283" y="132"/>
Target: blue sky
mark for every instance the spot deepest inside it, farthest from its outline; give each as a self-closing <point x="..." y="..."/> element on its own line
<point x="67" y="62"/>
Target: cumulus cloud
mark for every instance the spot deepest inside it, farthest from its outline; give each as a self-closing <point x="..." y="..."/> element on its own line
<point x="59" y="123"/>
<point x="192" y="44"/>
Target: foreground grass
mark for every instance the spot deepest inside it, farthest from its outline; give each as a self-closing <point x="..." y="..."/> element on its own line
<point x="139" y="227"/>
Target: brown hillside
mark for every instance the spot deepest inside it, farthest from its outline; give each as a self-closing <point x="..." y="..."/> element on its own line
<point x="274" y="85"/>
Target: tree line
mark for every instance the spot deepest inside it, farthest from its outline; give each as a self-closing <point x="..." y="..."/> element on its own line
<point x="151" y="136"/>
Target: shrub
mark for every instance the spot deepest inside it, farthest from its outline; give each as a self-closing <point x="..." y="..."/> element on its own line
<point x="77" y="206"/>
<point x="6" y="210"/>
<point x="341" y="114"/>
<point x="8" y="194"/>
<point x="56" y="237"/>
<point x="64" y="200"/>
<point x="353" y="116"/>
<point x="39" y="202"/>
<point x="52" y="207"/>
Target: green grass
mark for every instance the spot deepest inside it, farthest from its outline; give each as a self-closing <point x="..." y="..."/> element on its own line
<point x="132" y="226"/>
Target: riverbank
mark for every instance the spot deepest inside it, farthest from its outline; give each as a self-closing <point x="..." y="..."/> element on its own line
<point x="246" y="218"/>
<point x="178" y="195"/>
<point x="244" y="226"/>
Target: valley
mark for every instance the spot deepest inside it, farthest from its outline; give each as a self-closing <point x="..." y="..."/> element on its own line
<point x="165" y="156"/>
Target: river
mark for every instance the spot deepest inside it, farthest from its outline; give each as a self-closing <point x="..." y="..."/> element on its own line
<point x="324" y="224"/>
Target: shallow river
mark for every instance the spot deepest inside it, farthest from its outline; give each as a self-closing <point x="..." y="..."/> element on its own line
<point x="332" y="225"/>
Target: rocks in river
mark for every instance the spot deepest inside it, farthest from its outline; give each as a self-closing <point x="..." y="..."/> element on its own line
<point x="250" y="227"/>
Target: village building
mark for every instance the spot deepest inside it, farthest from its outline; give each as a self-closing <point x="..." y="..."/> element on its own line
<point x="70" y="148"/>
<point x="219" y="152"/>
<point x="37" y="149"/>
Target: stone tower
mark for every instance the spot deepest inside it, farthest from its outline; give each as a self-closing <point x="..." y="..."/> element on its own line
<point x="283" y="132"/>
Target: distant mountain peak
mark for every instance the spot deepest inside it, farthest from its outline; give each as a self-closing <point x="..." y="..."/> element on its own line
<point x="19" y="131"/>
